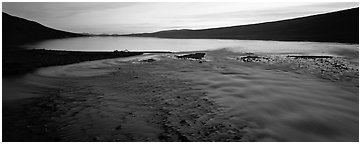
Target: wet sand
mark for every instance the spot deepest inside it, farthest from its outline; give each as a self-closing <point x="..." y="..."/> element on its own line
<point x="215" y="99"/>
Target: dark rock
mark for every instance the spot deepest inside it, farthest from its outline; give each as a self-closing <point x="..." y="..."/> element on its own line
<point x="193" y="56"/>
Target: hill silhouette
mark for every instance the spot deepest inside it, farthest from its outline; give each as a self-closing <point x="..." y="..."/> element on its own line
<point x="341" y="26"/>
<point x="19" y="31"/>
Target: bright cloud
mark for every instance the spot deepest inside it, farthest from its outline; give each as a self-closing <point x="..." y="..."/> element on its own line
<point x="125" y="17"/>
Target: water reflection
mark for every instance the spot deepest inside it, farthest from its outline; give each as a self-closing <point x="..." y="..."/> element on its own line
<point x="176" y="45"/>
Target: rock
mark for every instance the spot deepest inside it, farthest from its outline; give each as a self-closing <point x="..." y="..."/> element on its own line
<point x="193" y="56"/>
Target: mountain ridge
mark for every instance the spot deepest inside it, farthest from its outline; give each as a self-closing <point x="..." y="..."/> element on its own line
<point x="339" y="26"/>
<point x="17" y="31"/>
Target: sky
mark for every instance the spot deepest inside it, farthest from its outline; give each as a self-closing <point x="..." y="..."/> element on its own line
<point x="140" y="17"/>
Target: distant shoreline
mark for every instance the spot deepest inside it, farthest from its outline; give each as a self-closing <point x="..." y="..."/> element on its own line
<point x="219" y="38"/>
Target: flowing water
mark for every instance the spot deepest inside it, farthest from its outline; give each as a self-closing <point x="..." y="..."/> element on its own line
<point x="284" y="106"/>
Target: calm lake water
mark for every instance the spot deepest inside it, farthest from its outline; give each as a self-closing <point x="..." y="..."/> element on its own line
<point x="176" y="45"/>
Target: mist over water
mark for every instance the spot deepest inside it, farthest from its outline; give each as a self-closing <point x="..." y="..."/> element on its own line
<point x="177" y="45"/>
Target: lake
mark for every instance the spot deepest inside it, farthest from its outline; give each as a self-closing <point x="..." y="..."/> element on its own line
<point x="177" y="45"/>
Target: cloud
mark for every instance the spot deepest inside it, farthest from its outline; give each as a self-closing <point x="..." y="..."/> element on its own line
<point x="249" y="16"/>
<point x="45" y="10"/>
<point x="125" y="17"/>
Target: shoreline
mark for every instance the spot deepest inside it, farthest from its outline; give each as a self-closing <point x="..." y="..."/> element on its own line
<point x="21" y="61"/>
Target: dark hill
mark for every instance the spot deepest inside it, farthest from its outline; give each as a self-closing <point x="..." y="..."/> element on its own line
<point x="19" y="31"/>
<point x="340" y="26"/>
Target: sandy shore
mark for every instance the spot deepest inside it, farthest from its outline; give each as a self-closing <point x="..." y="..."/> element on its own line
<point x="216" y="99"/>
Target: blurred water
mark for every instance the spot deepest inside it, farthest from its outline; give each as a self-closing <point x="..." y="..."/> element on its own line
<point x="176" y="45"/>
<point x="284" y="106"/>
<point x="280" y="105"/>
